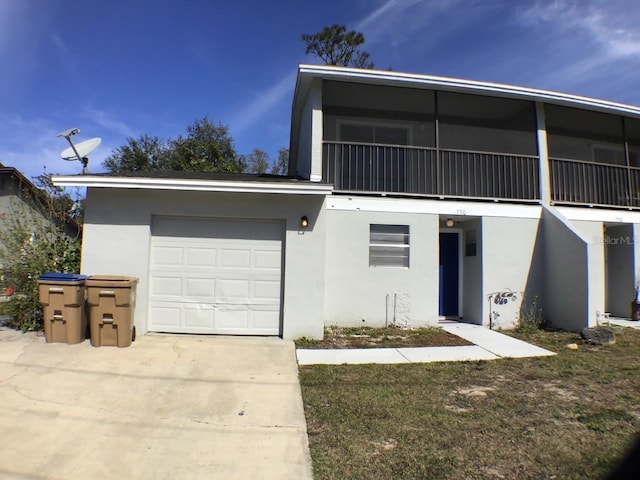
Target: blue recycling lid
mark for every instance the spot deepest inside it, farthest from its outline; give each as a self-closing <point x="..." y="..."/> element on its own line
<point x="62" y="277"/>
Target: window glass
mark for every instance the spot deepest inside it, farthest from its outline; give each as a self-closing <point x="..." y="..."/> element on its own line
<point x="389" y="246"/>
<point x="575" y="134"/>
<point x="350" y="132"/>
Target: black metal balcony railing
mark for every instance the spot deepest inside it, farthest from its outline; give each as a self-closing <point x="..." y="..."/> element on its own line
<point x="394" y="169"/>
<point x="591" y="183"/>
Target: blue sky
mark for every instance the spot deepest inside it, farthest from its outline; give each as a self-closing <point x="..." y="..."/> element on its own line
<point x="119" y="69"/>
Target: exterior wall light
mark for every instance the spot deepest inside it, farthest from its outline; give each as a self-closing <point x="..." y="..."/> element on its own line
<point x="304" y="222"/>
<point x="449" y="222"/>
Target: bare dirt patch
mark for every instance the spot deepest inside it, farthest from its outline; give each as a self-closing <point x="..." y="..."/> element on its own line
<point x="389" y="337"/>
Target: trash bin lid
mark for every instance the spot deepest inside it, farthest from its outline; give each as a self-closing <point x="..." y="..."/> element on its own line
<point x="111" y="281"/>
<point x="62" y="277"/>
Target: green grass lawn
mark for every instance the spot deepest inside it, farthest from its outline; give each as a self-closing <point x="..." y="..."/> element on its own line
<point x="570" y="416"/>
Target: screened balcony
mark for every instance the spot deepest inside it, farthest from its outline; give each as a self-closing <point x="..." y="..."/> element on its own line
<point x="594" y="158"/>
<point x="423" y="143"/>
<point x="421" y="171"/>
<point x="394" y="141"/>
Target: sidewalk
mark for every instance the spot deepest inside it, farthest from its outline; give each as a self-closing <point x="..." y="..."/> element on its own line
<point x="488" y="345"/>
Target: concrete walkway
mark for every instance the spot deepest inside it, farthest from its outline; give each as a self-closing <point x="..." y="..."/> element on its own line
<point x="488" y="345"/>
<point x="168" y="407"/>
<point x="624" y="322"/>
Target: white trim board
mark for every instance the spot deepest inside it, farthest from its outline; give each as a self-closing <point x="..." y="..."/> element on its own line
<point x="191" y="185"/>
<point x="383" y="77"/>
<point x="599" y="214"/>
<point x="437" y="207"/>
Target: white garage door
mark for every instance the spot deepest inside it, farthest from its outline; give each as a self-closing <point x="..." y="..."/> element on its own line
<point x="215" y="276"/>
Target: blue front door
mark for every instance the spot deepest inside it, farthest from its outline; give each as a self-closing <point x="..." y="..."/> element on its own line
<point x="449" y="273"/>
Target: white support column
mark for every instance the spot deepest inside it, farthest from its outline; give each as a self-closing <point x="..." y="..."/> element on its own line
<point x="543" y="153"/>
<point x="315" y="98"/>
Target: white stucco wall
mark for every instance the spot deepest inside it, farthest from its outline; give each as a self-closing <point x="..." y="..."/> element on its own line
<point x="117" y="237"/>
<point x="574" y="271"/>
<point x="309" y="152"/>
<point x="357" y="294"/>
<point x="510" y="262"/>
<point x="472" y="295"/>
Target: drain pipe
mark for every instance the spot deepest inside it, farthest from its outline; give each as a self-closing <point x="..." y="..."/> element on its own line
<point x="490" y="312"/>
<point x="386" y="311"/>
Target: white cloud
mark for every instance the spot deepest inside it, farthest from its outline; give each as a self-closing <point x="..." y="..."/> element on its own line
<point x="397" y="21"/>
<point x="107" y="120"/>
<point x="32" y="146"/>
<point x="387" y="20"/>
<point x="263" y="103"/>
<point x="587" y="42"/>
<point x="611" y="27"/>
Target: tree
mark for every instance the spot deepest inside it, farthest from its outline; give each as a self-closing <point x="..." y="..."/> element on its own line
<point x="141" y="154"/>
<point x="335" y="46"/>
<point x="208" y="147"/>
<point x="58" y="202"/>
<point x="281" y="167"/>
<point x="34" y="239"/>
<point x="257" y="161"/>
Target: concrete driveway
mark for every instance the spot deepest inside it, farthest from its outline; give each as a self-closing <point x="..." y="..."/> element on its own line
<point x="169" y="407"/>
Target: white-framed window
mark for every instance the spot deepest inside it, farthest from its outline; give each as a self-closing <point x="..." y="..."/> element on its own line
<point x="374" y="132"/>
<point x="373" y="157"/>
<point x="610" y="154"/>
<point x="389" y="245"/>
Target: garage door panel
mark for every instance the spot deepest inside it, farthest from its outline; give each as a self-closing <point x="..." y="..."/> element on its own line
<point x="204" y="288"/>
<point x="216" y="276"/>
<point x="268" y="260"/>
<point x="165" y="316"/>
<point x="200" y="257"/>
<point x="235" y="258"/>
<point x="265" y="320"/>
<point x="233" y="289"/>
<point x="199" y="316"/>
<point x="232" y="317"/>
<point x="167" y="256"/>
<point x="166" y="286"/>
<point x="266" y="290"/>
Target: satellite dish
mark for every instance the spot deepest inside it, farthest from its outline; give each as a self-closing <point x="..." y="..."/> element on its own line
<point x="82" y="149"/>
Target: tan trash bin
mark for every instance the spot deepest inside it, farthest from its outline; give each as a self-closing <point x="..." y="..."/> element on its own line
<point x="110" y="303"/>
<point x="62" y="296"/>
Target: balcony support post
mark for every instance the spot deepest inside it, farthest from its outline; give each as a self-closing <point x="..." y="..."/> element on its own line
<point x="543" y="155"/>
<point x="436" y="126"/>
<point x="631" y="196"/>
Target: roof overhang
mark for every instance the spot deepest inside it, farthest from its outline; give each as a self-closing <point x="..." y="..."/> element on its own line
<point x="307" y="73"/>
<point x="100" y="181"/>
<point x="409" y="80"/>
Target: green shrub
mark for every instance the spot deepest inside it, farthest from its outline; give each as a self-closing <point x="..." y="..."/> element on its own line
<point x="530" y="316"/>
<point x="34" y="239"/>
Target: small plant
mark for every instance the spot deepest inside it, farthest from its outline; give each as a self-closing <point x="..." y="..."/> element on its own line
<point x="34" y="239"/>
<point x="305" y="342"/>
<point x="530" y="317"/>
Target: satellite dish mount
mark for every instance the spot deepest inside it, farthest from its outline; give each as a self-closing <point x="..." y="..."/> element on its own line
<point x="79" y="151"/>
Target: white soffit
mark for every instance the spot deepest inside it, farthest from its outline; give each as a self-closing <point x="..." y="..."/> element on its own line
<point x="599" y="215"/>
<point x="191" y="185"/>
<point x="436" y="207"/>
<point x="383" y="77"/>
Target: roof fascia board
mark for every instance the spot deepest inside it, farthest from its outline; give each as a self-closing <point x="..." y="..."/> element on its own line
<point x="468" y="86"/>
<point x="190" y="185"/>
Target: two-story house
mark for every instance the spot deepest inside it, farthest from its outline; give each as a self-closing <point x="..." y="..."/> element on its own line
<point x="410" y="199"/>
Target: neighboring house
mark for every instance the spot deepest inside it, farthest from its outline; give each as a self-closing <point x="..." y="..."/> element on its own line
<point x="19" y="196"/>
<point x="411" y="198"/>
